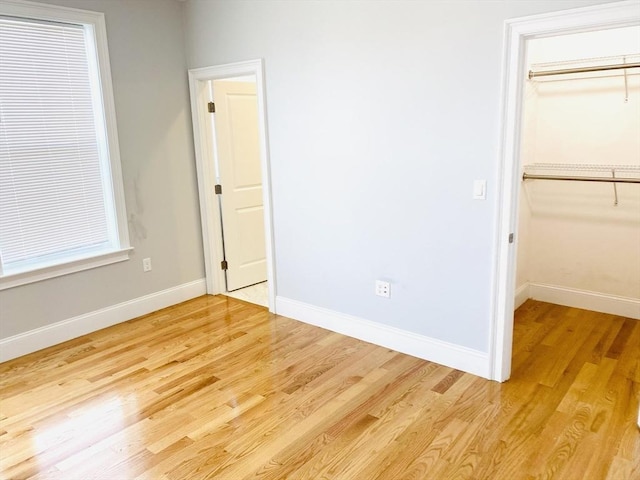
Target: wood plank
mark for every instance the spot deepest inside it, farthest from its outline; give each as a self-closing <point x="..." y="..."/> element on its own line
<point x="219" y="388"/>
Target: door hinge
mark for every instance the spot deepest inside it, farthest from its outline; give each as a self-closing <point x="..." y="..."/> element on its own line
<point x="211" y="107"/>
<point x="218" y="189"/>
<point x="511" y="238"/>
<point x="224" y="265"/>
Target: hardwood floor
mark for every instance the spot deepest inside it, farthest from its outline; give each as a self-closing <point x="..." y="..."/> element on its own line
<point x="217" y="388"/>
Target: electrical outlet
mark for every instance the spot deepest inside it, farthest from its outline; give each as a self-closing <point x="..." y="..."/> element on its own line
<point x="146" y="264"/>
<point x="383" y="289"/>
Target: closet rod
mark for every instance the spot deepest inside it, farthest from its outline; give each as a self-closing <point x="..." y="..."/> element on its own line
<point x="529" y="176"/>
<point x="617" y="66"/>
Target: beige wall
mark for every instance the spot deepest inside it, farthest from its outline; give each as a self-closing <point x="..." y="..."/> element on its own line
<point x="151" y="98"/>
<point x="571" y="234"/>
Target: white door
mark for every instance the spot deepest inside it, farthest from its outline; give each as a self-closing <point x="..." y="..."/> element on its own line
<point x="236" y="120"/>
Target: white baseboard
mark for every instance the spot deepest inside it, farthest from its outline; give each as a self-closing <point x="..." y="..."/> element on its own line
<point x="597" y="302"/>
<point x="49" y="335"/>
<point x="521" y="295"/>
<point x="449" y="354"/>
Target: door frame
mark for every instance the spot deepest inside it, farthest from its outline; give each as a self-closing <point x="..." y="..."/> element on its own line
<point x="517" y="32"/>
<point x="205" y="168"/>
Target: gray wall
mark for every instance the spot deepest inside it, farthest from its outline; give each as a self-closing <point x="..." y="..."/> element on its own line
<point x="146" y="45"/>
<point x="381" y="114"/>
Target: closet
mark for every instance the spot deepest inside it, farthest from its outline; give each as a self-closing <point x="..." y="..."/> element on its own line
<point x="579" y="214"/>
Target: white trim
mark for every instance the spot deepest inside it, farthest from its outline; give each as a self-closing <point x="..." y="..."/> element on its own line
<point x="521" y="295"/>
<point x="597" y="302"/>
<point x="111" y="128"/>
<point x="10" y="280"/>
<point x="209" y="214"/>
<point x="95" y="27"/>
<point x="47" y="336"/>
<point x="53" y="13"/>
<point x="449" y="354"/>
<point x="517" y="31"/>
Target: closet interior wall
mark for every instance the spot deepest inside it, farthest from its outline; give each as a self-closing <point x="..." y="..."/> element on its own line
<point x="575" y="247"/>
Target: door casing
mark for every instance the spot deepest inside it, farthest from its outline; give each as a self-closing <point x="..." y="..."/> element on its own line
<point x="517" y="32"/>
<point x="209" y="212"/>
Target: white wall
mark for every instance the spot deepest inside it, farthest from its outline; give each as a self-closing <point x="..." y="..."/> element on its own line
<point x="572" y="235"/>
<point x="146" y="44"/>
<point x="381" y="114"/>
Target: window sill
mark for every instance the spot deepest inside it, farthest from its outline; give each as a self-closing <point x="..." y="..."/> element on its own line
<point x="10" y="280"/>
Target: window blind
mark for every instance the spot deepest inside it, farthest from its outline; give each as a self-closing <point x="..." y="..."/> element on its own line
<point x="52" y="196"/>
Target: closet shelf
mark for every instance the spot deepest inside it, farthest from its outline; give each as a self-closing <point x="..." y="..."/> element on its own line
<point x="588" y="65"/>
<point x="583" y="167"/>
<point x="531" y="172"/>
<point x="566" y="71"/>
<point x="532" y="176"/>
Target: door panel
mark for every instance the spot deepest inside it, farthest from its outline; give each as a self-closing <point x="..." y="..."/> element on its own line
<point x="236" y="120"/>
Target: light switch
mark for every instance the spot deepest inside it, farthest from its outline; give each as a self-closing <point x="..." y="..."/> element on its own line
<point x="479" y="189"/>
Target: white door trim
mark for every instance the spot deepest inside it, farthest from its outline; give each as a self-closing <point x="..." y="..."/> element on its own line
<point x="209" y="213"/>
<point x="517" y="31"/>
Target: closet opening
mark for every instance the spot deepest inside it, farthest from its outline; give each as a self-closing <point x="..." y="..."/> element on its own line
<point x="568" y="146"/>
<point x="579" y="207"/>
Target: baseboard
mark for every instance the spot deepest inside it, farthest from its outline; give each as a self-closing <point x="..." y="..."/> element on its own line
<point x="521" y="295"/>
<point x="47" y="336"/>
<point x="598" y="302"/>
<point x="451" y="355"/>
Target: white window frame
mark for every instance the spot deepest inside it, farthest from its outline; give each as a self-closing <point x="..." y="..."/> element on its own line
<point x="94" y="24"/>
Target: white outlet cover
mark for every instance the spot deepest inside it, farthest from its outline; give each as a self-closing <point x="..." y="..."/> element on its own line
<point x="383" y="289"/>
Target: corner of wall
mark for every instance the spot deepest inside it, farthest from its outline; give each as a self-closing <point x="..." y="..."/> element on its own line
<point x="521" y="295"/>
<point x="434" y="350"/>
<point x="49" y="335"/>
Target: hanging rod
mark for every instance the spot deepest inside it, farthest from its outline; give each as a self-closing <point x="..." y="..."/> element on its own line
<point x="617" y="66"/>
<point x="529" y="176"/>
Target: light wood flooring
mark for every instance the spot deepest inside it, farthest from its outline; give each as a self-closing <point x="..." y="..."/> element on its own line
<point x="216" y="388"/>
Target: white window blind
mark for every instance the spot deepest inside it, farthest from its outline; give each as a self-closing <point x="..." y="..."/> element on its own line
<point x="56" y="200"/>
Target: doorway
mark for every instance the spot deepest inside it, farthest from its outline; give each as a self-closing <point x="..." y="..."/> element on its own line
<point x="228" y="112"/>
<point x="517" y="33"/>
<point x="578" y="237"/>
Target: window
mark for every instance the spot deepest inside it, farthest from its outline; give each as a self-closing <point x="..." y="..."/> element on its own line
<point x="61" y="197"/>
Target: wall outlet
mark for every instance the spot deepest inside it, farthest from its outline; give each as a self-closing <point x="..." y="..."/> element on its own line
<point x="146" y="264"/>
<point x="383" y="289"/>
